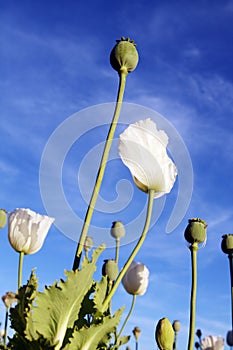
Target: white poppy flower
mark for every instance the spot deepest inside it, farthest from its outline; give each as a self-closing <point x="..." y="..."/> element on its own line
<point x="212" y="343"/>
<point x="142" y="149"/>
<point x="27" y="230"/>
<point x="136" y="279"/>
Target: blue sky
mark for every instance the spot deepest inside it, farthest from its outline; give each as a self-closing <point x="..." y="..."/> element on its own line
<point x="54" y="64"/>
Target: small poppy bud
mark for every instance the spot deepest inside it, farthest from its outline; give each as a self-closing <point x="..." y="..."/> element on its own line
<point x="227" y="243"/>
<point x="9" y="298"/>
<point x="136" y="332"/>
<point x="3" y="218"/>
<point x="164" y="334"/>
<point x="88" y="244"/>
<point x="117" y="230"/>
<point x="195" y="231"/>
<point x="124" y="56"/>
<point x="176" y="326"/>
<point x="110" y="269"/>
<point x="198" y="333"/>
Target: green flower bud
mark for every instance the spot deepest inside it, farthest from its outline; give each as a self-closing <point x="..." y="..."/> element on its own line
<point x="176" y="326"/>
<point x="3" y="218"/>
<point x="110" y="269"/>
<point x="164" y="334"/>
<point x="227" y="243"/>
<point x="124" y="56"/>
<point x="195" y="231"/>
<point x="117" y="230"/>
<point x="136" y="332"/>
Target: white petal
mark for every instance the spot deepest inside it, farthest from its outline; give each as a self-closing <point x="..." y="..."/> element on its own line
<point x="143" y="150"/>
<point x="27" y="230"/>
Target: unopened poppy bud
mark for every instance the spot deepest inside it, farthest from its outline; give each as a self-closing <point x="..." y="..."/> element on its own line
<point x="176" y="326"/>
<point x="227" y="243"/>
<point x="88" y="244"/>
<point x="198" y="333"/>
<point x="230" y="338"/>
<point x="164" y="334"/>
<point x="136" y="332"/>
<point x="3" y="218"/>
<point x="124" y="56"/>
<point x="117" y="230"/>
<point x="110" y="269"/>
<point x="195" y="231"/>
<point x="9" y="298"/>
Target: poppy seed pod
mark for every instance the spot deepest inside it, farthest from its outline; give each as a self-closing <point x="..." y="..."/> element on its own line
<point x="176" y="326"/>
<point x="3" y="218"/>
<point x="227" y="243"/>
<point x="164" y="334"/>
<point x="195" y="231"/>
<point x="110" y="269"/>
<point x="117" y="230"/>
<point x="124" y="56"/>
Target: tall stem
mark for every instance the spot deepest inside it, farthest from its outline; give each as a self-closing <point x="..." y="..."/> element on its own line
<point x="193" y="248"/>
<point x="230" y="256"/>
<point x="5" y="327"/>
<point x="117" y="250"/>
<point x="101" y="170"/>
<point x="127" y="317"/>
<point x="134" y="252"/>
<point x="20" y="269"/>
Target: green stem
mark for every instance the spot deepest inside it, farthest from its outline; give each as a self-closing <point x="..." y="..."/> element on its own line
<point x="230" y="256"/>
<point x="101" y="170"/>
<point x="134" y="252"/>
<point x="5" y="327"/>
<point x="127" y="317"/>
<point x="193" y="248"/>
<point x="117" y="250"/>
<point x="20" y="269"/>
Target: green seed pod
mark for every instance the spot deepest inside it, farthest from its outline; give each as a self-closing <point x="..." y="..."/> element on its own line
<point x="176" y="326"/>
<point x="227" y="243"/>
<point x="110" y="269"/>
<point x="195" y="231"/>
<point x="3" y="218"/>
<point x="124" y="56"/>
<point x="117" y="230"/>
<point x="164" y="334"/>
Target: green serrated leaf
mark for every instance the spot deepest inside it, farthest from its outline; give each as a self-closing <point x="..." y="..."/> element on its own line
<point x="19" y="315"/>
<point x="58" y="306"/>
<point x="100" y="294"/>
<point x="89" y="338"/>
<point x="124" y="340"/>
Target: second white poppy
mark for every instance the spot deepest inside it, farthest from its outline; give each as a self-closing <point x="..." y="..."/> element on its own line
<point x="142" y="149"/>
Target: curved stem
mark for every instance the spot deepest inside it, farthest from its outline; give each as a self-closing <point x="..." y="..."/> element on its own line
<point x="134" y="252"/>
<point x="117" y="250"/>
<point x="5" y="327"/>
<point x="101" y="170"/>
<point x="230" y="256"/>
<point x="20" y="269"/>
<point x="127" y="317"/>
<point x="194" y="249"/>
